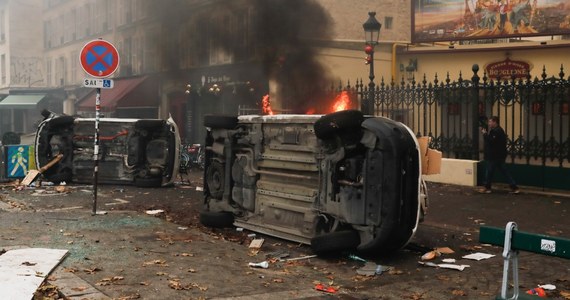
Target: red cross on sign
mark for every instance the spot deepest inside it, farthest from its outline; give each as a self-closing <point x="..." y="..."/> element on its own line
<point x="99" y="58"/>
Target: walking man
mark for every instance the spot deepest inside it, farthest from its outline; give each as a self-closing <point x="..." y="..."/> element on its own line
<point x="495" y="154"/>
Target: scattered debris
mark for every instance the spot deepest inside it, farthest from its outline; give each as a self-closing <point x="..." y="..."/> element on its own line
<point x="548" y="287"/>
<point x="278" y="255"/>
<point x="356" y="258"/>
<point x="263" y="265"/>
<point x="445" y="250"/>
<point x="430" y="255"/>
<point x="372" y="269"/>
<point x="62" y="189"/>
<point x="328" y="289"/>
<point x="118" y="201"/>
<point x="88" y="271"/>
<point x="182" y="228"/>
<point x="33" y="174"/>
<point x="154" y="212"/>
<point x="448" y="260"/>
<point x="199" y="189"/>
<point x="256" y="243"/>
<point x="109" y="280"/>
<point x="478" y="256"/>
<point x="461" y="293"/>
<point x="302" y="258"/>
<point x="239" y="229"/>
<point x="445" y="266"/>
<point x="540" y="292"/>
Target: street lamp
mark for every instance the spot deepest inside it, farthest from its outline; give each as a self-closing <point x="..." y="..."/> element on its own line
<point x="372" y="34"/>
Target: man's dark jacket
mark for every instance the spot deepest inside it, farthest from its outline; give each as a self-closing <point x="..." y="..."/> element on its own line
<point x="495" y="144"/>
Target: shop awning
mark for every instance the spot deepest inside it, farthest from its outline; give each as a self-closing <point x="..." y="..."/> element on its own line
<point x="21" y="101"/>
<point x="127" y="92"/>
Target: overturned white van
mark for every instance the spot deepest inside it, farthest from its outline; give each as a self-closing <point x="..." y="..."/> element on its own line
<point x="337" y="182"/>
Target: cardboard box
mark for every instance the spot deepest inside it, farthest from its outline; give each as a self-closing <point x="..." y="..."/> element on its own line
<point x="434" y="162"/>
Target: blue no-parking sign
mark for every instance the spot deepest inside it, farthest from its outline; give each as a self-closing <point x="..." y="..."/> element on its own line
<point x="99" y="58"/>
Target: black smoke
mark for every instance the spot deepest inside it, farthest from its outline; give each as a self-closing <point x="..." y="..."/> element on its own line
<point x="283" y="32"/>
<point x="286" y="31"/>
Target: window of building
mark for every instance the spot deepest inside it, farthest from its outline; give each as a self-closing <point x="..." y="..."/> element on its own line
<point x="126" y="57"/>
<point x="120" y="13"/>
<point x="61" y="29"/>
<point x="99" y="17"/>
<point x="60" y="72"/>
<point x="2" y="25"/>
<point x="70" y="20"/>
<point x="220" y="53"/>
<point x="128" y="11"/>
<point x="87" y="14"/>
<point x="3" y="68"/>
<point x="388" y="22"/>
<point x="150" y="52"/>
<point x="74" y="65"/>
<point x="49" y="72"/>
<point x="47" y="33"/>
<point x="111" y="7"/>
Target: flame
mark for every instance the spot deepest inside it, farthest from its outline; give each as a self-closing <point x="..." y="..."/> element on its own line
<point x="311" y="111"/>
<point x="341" y="102"/>
<point x="266" y="106"/>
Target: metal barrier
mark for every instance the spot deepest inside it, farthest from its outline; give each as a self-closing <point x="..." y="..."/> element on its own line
<point x="513" y="241"/>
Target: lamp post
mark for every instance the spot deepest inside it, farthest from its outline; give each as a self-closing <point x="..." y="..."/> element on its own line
<point x="372" y="34"/>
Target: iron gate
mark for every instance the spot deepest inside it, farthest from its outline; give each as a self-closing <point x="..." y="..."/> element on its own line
<point x="534" y="112"/>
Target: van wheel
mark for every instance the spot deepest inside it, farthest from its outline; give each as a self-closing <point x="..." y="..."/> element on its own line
<point x="344" y="123"/>
<point x="220" y="122"/>
<point x="335" y="242"/>
<point x="215" y="178"/>
<point x="150" y="182"/>
<point x="216" y="219"/>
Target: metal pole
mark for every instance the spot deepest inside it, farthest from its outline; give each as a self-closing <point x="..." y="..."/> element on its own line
<point x="96" y="150"/>
<point x="475" y="112"/>
<point x="371" y="85"/>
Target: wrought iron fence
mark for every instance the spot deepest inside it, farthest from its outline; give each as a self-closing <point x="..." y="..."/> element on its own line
<point x="535" y="113"/>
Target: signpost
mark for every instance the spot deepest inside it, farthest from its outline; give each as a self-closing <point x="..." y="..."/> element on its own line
<point x="99" y="59"/>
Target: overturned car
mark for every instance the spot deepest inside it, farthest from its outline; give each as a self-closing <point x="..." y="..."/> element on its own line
<point x="339" y="181"/>
<point x="143" y="152"/>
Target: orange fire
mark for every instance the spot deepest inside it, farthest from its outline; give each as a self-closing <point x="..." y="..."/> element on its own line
<point x="311" y="111"/>
<point x="341" y="102"/>
<point x="266" y="106"/>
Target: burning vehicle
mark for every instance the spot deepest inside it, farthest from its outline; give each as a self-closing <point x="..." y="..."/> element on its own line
<point x="143" y="152"/>
<point x="337" y="181"/>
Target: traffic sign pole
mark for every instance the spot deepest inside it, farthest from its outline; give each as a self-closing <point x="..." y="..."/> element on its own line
<point x="99" y="59"/>
<point x="96" y="150"/>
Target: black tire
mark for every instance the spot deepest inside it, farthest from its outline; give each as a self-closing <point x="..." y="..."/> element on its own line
<point x="61" y="121"/>
<point x="335" y="242"/>
<point x="220" y="122"/>
<point x="215" y="178"/>
<point x="150" y="182"/>
<point x="216" y="219"/>
<point x="344" y="123"/>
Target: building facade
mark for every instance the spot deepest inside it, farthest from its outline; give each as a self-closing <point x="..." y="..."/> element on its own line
<point x="22" y="76"/>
